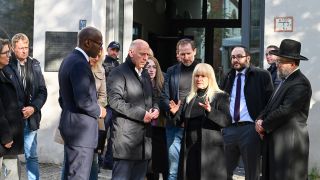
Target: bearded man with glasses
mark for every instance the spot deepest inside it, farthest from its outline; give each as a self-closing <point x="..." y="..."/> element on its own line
<point x="249" y="88"/>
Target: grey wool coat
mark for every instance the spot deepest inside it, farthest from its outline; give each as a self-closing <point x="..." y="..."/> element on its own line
<point x="130" y="96"/>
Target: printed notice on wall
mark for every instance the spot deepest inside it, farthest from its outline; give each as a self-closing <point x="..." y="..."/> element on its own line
<point x="283" y="24"/>
<point x="58" y="45"/>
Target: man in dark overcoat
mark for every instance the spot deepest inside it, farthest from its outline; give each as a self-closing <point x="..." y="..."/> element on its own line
<point x="283" y="123"/>
<point x="129" y="91"/>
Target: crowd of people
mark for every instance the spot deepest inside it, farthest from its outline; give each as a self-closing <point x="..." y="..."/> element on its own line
<point x="180" y="124"/>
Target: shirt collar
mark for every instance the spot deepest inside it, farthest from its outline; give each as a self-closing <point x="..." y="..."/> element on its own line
<point x="243" y="71"/>
<point x="138" y="72"/>
<point x="85" y="54"/>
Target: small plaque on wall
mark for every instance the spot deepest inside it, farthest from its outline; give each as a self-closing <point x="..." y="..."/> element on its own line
<point x="58" y="45"/>
<point x="283" y="24"/>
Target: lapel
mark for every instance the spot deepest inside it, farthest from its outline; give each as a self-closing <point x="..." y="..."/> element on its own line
<point x="175" y="79"/>
<point x="286" y="83"/>
<point x="13" y="66"/>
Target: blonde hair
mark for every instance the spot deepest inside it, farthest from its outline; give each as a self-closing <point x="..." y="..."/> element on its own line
<point x="207" y="71"/>
<point x="18" y="37"/>
<point x="98" y="66"/>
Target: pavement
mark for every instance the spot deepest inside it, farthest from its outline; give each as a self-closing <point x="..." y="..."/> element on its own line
<point x="53" y="172"/>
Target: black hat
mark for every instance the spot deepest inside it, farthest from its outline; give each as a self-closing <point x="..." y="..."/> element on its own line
<point x="114" y="45"/>
<point x="289" y="49"/>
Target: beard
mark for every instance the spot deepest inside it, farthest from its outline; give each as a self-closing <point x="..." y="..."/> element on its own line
<point x="238" y="66"/>
<point x="282" y="74"/>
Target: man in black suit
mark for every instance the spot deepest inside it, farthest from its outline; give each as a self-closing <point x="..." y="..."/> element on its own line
<point x="249" y="88"/>
<point x="80" y="109"/>
<point x="283" y="123"/>
<point x="129" y="92"/>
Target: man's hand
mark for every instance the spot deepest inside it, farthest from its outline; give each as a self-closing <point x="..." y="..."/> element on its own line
<point x="103" y="112"/>
<point x="8" y="145"/>
<point x="259" y="128"/>
<point x="174" y="107"/>
<point x="155" y="113"/>
<point x="206" y="105"/>
<point x="27" y="111"/>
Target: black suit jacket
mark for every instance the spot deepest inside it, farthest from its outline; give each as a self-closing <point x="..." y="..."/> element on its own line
<point x="257" y="89"/>
<point x="78" y="100"/>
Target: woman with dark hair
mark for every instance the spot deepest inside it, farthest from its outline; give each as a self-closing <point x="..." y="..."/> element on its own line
<point x="159" y="159"/>
<point x="11" y="121"/>
<point x="203" y="115"/>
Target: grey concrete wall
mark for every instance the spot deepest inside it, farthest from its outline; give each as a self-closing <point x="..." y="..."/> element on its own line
<point x="59" y="15"/>
<point x="306" y="29"/>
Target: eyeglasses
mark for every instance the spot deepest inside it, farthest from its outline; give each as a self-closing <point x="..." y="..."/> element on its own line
<point x="7" y="53"/>
<point x="238" y="56"/>
<point x="268" y="54"/>
<point x="99" y="43"/>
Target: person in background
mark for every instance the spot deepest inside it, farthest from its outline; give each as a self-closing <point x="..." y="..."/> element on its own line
<point x="32" y="94"/>
<point x="249" y="88"/>
<point x="11" y="119"/>
<point x="80" y="109"/>
<point x="177" y="86"/>
<point x="129" y="91"/>
<point x="159" y="158"/>
<point x="283" y="123"/>
<point x="271" y="60"/>
<point x="204" y="114"/>
<point x="111" y="61"/>
<point x="100" y="80"/>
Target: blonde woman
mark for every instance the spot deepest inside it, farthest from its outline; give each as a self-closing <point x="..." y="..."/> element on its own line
<point x="204" y="114"/>
<point x="100" y="79"/>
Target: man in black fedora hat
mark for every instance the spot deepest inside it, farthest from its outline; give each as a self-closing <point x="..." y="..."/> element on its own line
<point x="283" y="123"/>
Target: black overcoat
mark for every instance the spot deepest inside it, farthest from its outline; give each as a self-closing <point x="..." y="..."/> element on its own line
<point x="286" y="142"/>
<point x="203" y="149"/>
<point x="11" y="122"/>
<point x="130" y="96"/>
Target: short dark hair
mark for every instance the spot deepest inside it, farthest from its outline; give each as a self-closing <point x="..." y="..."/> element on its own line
<point x="273" y="47"/>
<point x="186" y="41"/>
<point x="244" y="48"/>
<point x="4" y="42"/>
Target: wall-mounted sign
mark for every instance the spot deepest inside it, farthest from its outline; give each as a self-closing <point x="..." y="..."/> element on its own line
<point x="58" y="46"/>
<point x="283" y="24"/>
<point x="82" y="23"/>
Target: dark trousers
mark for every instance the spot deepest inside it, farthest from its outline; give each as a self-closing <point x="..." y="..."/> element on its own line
<point x="108" y="157"/>
<point x="78" y="161"/>
<point x="129" y="169"/>
<point x="243" y="141"/>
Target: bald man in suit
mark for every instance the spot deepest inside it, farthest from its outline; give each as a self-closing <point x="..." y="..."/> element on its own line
<point x="80" y="109"/>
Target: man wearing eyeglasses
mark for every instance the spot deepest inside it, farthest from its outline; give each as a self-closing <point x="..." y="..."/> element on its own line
<point x="249" y="88"/>
<point x="78" y="100"/>
<point x="271" y="60"/>
<point x="283" y="123"/>
<point x="32" y="94"/>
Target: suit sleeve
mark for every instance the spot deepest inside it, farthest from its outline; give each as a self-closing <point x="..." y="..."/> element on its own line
<point x="220" y="113"/>
<point x="83" y="98"/>
<point x="295" y="98"/>
<point x="116" y="93"/>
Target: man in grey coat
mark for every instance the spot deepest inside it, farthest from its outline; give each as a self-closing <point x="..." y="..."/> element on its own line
<point x="129" y="92"/>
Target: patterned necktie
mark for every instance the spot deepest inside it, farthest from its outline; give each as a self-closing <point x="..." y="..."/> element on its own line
<point x="236" y="113"/>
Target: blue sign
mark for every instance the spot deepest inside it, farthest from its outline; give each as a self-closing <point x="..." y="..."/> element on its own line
<point x="82" y="23"/>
